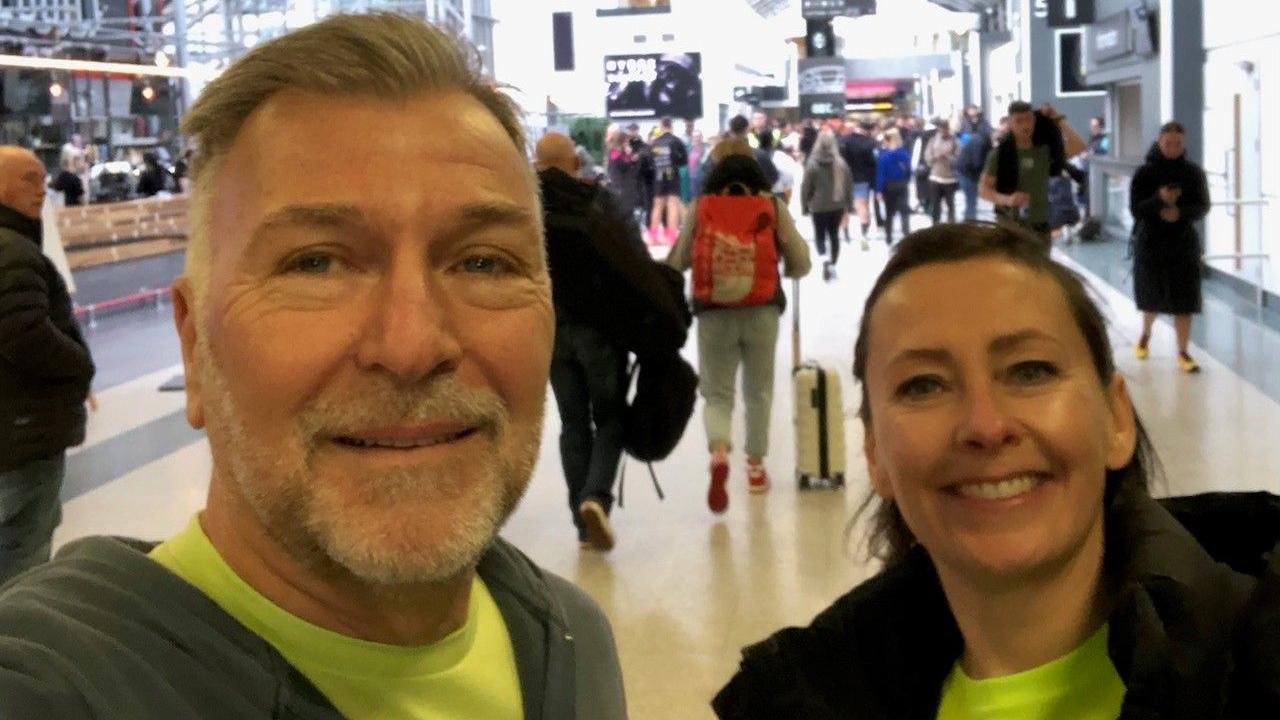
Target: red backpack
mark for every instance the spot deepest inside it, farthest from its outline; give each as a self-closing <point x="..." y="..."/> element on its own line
<point x="735" y="251"/>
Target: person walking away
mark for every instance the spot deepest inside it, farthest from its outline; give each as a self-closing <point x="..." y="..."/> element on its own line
<point x="588" y="371"/>
<point x="940" y="155"/>
<point x="697" y="154"/>
<point x="973" y="158"/>
<point x="783" y="165"/>
<point x="893" y="176"/>
<point x="45" y="371"/>
<point x="1016" y="176"/>
<point x="924" y="193"/>
<point x="669" y="154"/>
<point x="858" y="149"/>
<point x="825" y="196"/>
<point x="738" y="305"/>
<point x="763" y="151"/>
<point x="1167" y="196"/>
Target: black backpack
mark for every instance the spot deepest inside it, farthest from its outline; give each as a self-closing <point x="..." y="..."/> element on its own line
<point x="608" y="282"/>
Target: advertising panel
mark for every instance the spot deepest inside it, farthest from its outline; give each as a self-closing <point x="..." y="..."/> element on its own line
<point x="821" y="87"/>
<point x="654" y="85"/>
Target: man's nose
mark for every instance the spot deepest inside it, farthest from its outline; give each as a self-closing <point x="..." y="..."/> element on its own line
<point x="410" y="330"/>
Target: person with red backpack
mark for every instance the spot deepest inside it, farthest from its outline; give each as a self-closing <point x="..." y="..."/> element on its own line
<point x="733" y="240"/>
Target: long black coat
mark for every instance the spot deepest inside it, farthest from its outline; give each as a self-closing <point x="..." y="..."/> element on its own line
<point x="1166" y="256"/>
<point x="1194" y="633"/>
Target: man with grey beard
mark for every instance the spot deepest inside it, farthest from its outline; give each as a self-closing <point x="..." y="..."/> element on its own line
<point x="367" y="329"/>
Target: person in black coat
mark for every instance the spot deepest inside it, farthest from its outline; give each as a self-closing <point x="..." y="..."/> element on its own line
<point x="45" y="371"/>
<point x="1026" y="563"/>
<point x="1167" y="196"/>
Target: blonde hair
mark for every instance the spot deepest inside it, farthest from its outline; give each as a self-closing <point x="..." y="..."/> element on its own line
<point x="893" y="137"/>
<point x="379" y="55"/>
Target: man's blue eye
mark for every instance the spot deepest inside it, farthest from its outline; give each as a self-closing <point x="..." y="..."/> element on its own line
<point x="313" y="264"/>
<point x="486" y="265"/>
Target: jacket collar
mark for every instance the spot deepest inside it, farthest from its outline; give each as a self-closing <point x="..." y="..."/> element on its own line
<point x="884" y="649"/>
<point x="33" y="230"/>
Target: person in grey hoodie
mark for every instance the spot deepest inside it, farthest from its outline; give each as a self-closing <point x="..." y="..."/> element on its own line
<point x="368" y="349"/>
<point x="825" y="196"/>
<point x="940" y="155"/>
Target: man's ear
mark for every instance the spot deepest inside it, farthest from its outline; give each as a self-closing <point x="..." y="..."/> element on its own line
<point x="1122" y="440"/>
<point x="879" y="478"/>
<point x="184" y="317"/>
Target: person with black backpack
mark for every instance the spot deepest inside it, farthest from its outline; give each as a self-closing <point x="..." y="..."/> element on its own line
<point x="734" y="240"/>
<point x="611" y="299"/>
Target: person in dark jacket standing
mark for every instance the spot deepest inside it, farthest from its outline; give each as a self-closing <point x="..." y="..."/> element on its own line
<point x="588" y="371"/>
<point x="1167" y="196"/>
<point x="368" y="348"/>
<point x="858" y="149"/>
<point x="45" y="371"/>
<point x="1026" y="565"/>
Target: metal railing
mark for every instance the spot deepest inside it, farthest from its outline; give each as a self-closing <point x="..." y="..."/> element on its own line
<point x="1231" y="205"/>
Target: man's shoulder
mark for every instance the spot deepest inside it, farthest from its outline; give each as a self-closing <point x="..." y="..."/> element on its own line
<point x="510" y="569"/>
<point x="103" y="626"/>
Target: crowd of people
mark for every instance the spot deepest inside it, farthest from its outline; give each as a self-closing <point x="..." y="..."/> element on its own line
<point x="347" y="562"/>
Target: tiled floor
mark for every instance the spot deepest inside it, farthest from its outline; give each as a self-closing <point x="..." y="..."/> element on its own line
<point x="686" y="590"/>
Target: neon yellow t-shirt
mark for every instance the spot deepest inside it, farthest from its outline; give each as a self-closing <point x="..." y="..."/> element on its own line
<point x="469" y="674"/>
<point x="1082" y="685"/>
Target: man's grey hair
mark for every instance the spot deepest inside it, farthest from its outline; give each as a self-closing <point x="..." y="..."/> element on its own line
<point x="380" y="55"/>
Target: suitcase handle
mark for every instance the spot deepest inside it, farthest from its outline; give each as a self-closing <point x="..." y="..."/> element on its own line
<point x="795" y="325"/>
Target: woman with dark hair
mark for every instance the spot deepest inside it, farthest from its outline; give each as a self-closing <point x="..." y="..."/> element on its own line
<point x="739" y="240"/>
<point x="1027" y="573"/>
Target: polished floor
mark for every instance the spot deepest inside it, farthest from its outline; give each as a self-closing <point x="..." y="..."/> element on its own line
<point x="685" y="590"/>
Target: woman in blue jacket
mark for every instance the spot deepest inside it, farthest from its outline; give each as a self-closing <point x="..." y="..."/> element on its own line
<point x="893" y="173"/>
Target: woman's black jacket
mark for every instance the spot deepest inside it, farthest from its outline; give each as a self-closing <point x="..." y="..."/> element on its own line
<point x="1151" y="234"/>
<point x="1195" y="633"/>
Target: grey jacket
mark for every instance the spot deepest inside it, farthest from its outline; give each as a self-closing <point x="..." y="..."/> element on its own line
<point x="816" y="193"/>
<point x="103" y="631"/>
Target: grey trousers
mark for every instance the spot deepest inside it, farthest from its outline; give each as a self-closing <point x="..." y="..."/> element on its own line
<point x="30" y="510"/>
<point x="726" y="339"/>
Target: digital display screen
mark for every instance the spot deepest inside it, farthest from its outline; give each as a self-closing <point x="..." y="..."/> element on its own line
<point x="654" y="85"/>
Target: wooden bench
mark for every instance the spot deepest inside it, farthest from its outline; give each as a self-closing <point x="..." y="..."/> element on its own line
<point x="112" y="232"/>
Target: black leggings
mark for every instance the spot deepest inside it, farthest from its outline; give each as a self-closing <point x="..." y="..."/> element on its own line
<point x="895" y="203"/>
<point x="941" y="192"/>
<point x="826" y="227"/>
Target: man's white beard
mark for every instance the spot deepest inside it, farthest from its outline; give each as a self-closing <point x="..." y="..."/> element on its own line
<point x="411" y="525"/>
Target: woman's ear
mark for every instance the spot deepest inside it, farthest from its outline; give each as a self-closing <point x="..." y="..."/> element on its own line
<point x="1123" y="428"/>
<point x="879" y="478"/>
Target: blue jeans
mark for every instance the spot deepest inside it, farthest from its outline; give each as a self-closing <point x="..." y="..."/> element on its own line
<point x="970" y="190"/>
<point x="30" y="510"/>
<point x="589" y="379"/>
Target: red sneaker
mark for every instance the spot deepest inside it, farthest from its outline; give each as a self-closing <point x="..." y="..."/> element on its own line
<point x="717" y="495"/>
<point x="757" y="478"/>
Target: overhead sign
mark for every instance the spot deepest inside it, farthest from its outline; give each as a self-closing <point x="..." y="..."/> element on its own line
<point x="1109" y="38"/>
<point x="828" y="9"/>
<point x="1070" y="13"/>
<point x="821" y="84"/>
<point x="654" y="85"/>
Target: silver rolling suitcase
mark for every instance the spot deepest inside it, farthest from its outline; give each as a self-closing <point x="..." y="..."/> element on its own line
<point x="819" y="416"/>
